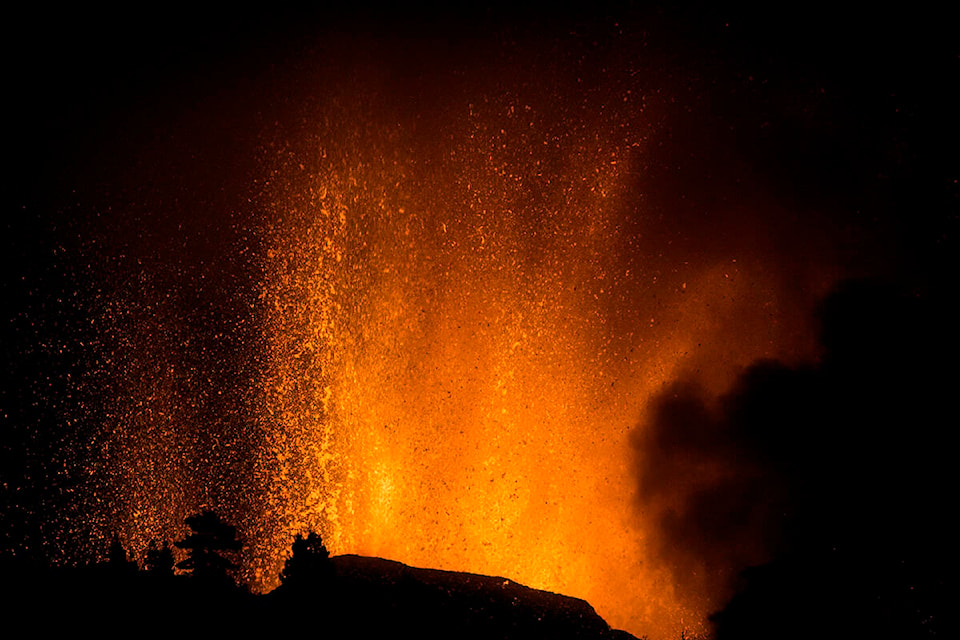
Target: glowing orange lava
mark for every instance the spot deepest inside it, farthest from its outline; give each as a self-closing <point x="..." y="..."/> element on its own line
<point x="468" y="284"/>
<point x="466" y="319"/>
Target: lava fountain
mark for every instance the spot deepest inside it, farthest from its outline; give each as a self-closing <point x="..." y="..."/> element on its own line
<point x="420" y="304"/>
<point x="420" y="286"/>
<point x="468" y="307"/>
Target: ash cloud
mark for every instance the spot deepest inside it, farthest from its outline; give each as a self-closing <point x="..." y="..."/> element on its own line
<point x="828" y="481"/>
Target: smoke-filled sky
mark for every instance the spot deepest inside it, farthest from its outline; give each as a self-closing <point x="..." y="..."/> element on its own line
<point x="537" y="294"/>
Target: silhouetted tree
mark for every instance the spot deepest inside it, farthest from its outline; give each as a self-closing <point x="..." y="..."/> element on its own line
<point x="159" y="560"/>
<point x="211" y="537"/>
<point x="117" y="554"/>
<point x="117" y="559"/>
<point x="309" y="566"/>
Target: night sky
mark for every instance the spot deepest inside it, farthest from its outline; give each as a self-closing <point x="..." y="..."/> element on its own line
<point x="162" y="174"/>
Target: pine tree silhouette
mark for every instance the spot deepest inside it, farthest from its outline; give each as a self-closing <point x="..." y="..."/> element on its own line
<point x="210" y="539"/>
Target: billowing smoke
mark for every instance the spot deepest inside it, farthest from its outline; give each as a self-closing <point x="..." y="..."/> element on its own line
<point x="835" y="471"/>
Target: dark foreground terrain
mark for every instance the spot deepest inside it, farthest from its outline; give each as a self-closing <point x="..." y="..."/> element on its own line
<point x="363" y="598"/>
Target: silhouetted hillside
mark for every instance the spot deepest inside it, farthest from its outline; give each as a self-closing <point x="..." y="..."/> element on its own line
<point x="363" y="598"/>
<point x="372" y="597"/>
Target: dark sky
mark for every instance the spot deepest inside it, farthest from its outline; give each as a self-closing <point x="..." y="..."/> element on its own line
<point x="837" y="109"/>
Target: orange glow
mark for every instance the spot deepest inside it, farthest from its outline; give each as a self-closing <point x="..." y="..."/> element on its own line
<point x="465" y="320"/>
<point x="443" y="317"/>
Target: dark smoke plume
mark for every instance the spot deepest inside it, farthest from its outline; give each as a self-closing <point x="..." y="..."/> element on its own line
<point x="828" y="480"/>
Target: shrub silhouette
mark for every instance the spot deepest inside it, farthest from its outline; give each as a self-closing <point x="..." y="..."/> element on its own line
<point x="309" y="567"/>
<point x="118" y="561"/>
<point x="159" y="560"/>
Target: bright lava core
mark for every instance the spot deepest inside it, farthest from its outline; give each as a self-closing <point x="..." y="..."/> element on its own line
<point x="462" y="333"/>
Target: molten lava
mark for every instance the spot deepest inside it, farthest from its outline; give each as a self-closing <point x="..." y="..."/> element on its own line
<point x="466" y="318"/>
